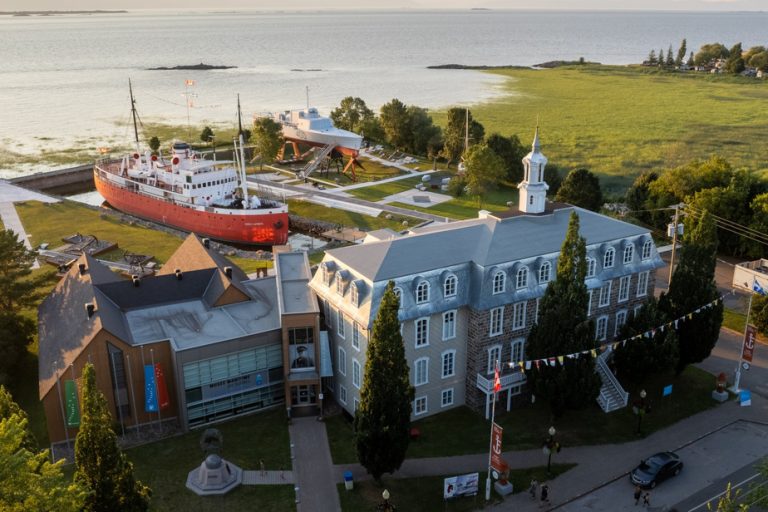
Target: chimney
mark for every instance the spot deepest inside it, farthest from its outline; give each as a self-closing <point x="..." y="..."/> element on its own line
<point x="228" y="272"/>
<point x="89" y="309"/>
<point x="178" y="273"/>
<point x="207" y="243"/>
<point x="81" y="266"/>
<point x="136" y="280"/>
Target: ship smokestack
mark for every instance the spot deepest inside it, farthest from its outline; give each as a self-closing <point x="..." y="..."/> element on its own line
<point x="89" y="309"/>
<point x="178" y="273"/>
<point x="136" y="280"/>
<point x="228" y="272"/>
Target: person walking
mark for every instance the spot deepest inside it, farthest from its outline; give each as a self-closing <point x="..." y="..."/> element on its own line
<point x="647" y="499"/>
<point x="638" y="493"/>
<point x="534" y="488"/>
<point x="544" y="495"/>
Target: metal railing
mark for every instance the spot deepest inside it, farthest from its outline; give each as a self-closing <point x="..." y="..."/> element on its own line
<point x="610" y="383"/>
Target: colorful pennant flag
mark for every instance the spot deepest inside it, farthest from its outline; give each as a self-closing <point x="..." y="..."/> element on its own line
<point x="72" y="407"/>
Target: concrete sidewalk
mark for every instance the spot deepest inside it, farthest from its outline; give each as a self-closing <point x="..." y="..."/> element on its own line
<point x="313" y="467"/>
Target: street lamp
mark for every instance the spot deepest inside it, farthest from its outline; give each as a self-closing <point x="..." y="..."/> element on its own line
<point x="550" y="445"/>
<point x="640" y="408"/>
<point x="385" y="505"/>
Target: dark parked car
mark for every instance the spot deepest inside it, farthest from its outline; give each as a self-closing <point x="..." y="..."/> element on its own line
<point x="655" y="469"/>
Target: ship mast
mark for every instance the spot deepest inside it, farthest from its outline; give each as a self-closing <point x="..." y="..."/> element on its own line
<point x="133" y="113"/>
<point x="243" y="182"/>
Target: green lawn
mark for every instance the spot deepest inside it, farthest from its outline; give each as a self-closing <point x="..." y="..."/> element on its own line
<point x="164" y="465"/>
<point x="347" y="218"/>
<point x="618" y="121"/>
<point x="526" y="426"/>
<point x="734" y="320"/>
<point x="426" y="493"/>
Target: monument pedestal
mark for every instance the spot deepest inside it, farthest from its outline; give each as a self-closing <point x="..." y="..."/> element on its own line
<point x="503" y="489"/>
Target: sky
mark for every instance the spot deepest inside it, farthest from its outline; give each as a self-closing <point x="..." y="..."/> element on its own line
<point x="289" y="5"/>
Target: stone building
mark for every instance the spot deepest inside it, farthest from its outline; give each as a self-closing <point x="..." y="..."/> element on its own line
<point x="469" y="294"/>
<point x="198" y="342"/>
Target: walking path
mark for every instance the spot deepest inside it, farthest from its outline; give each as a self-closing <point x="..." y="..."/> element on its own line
<point x="267" y="477"/>
<point x="8" y="214"/>
<point x="399" y="177"/>
<point x="313" y="467"/>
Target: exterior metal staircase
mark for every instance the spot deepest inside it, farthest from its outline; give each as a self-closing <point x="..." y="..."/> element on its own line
<point x="315" y="162"/>
<point x="612" y="396"/>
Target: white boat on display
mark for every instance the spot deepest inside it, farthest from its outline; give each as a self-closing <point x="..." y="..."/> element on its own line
<point x="309" y="127"/>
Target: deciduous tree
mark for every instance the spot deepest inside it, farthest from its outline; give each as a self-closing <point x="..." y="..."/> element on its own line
<point x="564" y="328"/>
<point x="154" y="144"/>
<point x="351" y="114"/>
<point x="735" y="62"/>
<point x="581" y="188"/>
<point x="484" y="171"/>
<point x="454" y="135"/>
<point x="100" y="466"/>
<point x="267" y="139"/>
<point x="511" y="151"/>
<point x="382" y="420"/>
<point x="692" y="287"/>
<point x="396" y="123"/>
<point x="422" y="132"/>
<point x="708" y="53"/>
<point x="206" y="135"/>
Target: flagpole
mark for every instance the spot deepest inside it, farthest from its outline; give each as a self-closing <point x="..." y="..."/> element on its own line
<point x="490" y="443"/>
<point x="157" y="398"/>
<point x="61" y="403"/>
<point x="133" y="395"/>
<point x="116" y="393"/>
<point x="144" y="372"/>
<point x="737" y="379"/>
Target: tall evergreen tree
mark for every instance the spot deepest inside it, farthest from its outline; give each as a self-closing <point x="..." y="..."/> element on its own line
<point x="681" y="53"/>
<point x="661" y="57"/>
<point x="693" y="286"/>
<point x="690" y="62"/>
<point x="652" y="58"/>
<point x="383" y="419"/>
<point x="563" y="328"/>
<point x="670" y="59"/>
<point x="101" y="467"/>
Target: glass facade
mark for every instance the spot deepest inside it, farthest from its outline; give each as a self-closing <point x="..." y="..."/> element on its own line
<point x="233" y="384"/>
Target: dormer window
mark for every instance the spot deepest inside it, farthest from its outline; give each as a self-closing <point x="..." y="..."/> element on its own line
<point x="522" y="278"/>
<point x="646" y="254"/>
<point x="339" y="284"/>
<point x="545" y="272"/>
<point x="499" y="280"/>
<point x="354" y="294"/>
<point x="449" y="287"/>
<point x="629" y="252"/>
<point x="422" y="292"/>
<point x="608" y="258"/>
<point x="399" y="294"/>
<point x="591" y="267"/>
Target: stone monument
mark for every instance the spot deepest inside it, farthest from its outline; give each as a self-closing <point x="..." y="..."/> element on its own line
<point x="215" y="475"/>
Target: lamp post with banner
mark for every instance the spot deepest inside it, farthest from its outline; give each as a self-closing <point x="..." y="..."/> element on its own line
<point x="494" y="451"/>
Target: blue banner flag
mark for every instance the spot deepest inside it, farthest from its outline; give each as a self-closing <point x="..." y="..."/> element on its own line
<point x="667" y="390"/>
<point x="150" y="389"/>
<point x="756" y="286"/>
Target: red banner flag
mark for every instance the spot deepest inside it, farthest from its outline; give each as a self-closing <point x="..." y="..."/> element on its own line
<point x="750" y="336"/>
<point x="496" y="381"/>
<point x="497" y="462"/>
<point x="162" y="389"/>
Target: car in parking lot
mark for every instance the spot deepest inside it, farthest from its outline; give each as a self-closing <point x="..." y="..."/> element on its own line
<point x="656" y="469"/>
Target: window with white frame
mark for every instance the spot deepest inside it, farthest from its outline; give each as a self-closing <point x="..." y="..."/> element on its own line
<point x="591" y="267"/>
<point x="356" y="373"/>
<point x="608" y="258"/>
<point x="642" y="283"/>
<point x="341" y="364"/>
<point x="517" y="350"/>
<point x="422" y="292"/>
<point x="497" y="321"/>
<point x="355" y="336"/>
<point x="340" y="324"/>
<point x="629" y="252"/>
<point x="449" y="363"/>
<point x="646" y="254"/>
<point x="499" y="279"/>
<point x="342" y="394"/>
<point x="339" y="284"/>
<point x="545" y="272"/>
<point x="494" y="354"/>
<point x="422" y="332"/>
<point x="326" y="274"/>
<point x="446" y="397"/>
<point x="449" y="325"/>
<point x="421" y="371"/>
<point x="449" y="286"/>
<point x="354" y="295"/>
<point x="621" y="319"/>
<point x="624" y="289"/>
<point x="605" y="295"/>
<point x="420" y="406"/>
<point x="602" y="328"/>
<point x="522" y="278"/>
<point x="518" y="315"/>
<point x="589" y="302"/>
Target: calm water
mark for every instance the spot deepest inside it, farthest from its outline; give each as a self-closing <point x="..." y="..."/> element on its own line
<point x="63" y="80"/>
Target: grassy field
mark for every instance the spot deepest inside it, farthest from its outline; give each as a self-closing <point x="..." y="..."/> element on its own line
<point x="619" y="121"/>
<point x="164" y="465"/>
<point x="426" y="493"/>
<point x="526" y="426"/>
<point x="347" y="218"/>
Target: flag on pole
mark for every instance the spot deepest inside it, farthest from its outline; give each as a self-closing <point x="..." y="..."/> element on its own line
<point x="759" y="289"/>
<point x="73" y="408"/>
<point x="496" y="380"/>
<point x="150" y="389"/>
<point x="162" y="389"/>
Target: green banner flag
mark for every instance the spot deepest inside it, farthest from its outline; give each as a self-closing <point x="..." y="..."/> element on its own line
<point x="73" y="408"/>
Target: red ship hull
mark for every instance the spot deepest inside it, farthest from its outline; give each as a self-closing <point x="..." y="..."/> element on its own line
<point x="268" y="228"/>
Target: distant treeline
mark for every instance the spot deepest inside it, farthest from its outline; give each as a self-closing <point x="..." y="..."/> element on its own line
<point x="714" y="57"/>
<point x="53" y="13"/>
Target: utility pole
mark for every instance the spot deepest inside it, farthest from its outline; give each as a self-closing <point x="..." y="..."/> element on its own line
<point x="674" y="243"/>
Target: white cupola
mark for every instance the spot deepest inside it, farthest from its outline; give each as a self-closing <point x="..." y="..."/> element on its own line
<point x="533" y="188"/>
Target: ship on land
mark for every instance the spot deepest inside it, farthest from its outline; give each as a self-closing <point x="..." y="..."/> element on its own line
<point x="188" y="191"/>
<point x="307" y="126"/>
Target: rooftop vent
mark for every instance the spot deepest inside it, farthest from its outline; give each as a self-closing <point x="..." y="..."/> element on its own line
<point x="81" y="267"/>
<point x="89" y="309"/>
<point x="228" y="272"/>
<point x="136" y="280"/>
<point x="207" y="243"/>
<point x="178" y="273"/>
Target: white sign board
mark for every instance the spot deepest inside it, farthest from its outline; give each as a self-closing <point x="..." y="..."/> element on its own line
<point x="462" y="485"/>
